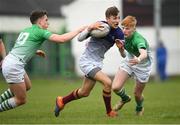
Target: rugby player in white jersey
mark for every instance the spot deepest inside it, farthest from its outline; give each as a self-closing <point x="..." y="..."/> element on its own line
<point x="91" y="62"/>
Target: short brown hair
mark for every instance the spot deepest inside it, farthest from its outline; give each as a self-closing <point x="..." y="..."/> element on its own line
<point x="112" y="11"/>
<point x="129" y="21"/>
<point x="36" y="14"/>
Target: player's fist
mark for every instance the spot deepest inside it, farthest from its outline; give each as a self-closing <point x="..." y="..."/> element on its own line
<point x="134" y="61"/>
<point x="82" y="28"/>
<point x="96" y="25"/>
<point x="41" y="53"/>
<point x="119" y="43"/>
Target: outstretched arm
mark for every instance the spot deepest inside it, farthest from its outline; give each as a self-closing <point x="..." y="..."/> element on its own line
<point x="67" y="36"/>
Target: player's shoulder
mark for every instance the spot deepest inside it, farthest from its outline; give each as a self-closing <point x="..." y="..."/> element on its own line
<point x="34" y="29"/>
<point x="139" y="39"/>
<point x="117" y="30"/>
<point x="138" y="36"/>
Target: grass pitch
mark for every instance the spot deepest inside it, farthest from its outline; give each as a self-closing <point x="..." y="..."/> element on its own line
<point x="162" y="104"/>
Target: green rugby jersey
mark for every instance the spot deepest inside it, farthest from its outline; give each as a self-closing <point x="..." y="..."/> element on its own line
<point x="133" y="44"/>
<point x="29" y="41"/>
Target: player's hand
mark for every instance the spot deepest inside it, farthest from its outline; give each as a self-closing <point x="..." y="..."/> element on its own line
<point x="134" y="61"/>
<point x="119" y="44"/>
<point x="82" y="29"/>
<point x="96" y="25"/>
<point x="41" y="53"/>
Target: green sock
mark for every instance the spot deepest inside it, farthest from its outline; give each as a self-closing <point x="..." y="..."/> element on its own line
<point x="123" y="94"/>
<point x="139" y="105"/>
<point x="6" y="95"/>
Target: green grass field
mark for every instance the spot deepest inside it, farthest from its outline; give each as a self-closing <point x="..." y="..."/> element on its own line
<point x="162" y="105"/>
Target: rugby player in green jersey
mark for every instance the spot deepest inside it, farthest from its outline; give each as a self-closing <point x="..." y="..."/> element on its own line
<point x="137" y="63"/>
<point x="26" y="46"/>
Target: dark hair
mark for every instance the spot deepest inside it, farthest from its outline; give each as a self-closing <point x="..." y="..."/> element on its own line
<point x="112" y="11"/>
<point x="36" y="14"/>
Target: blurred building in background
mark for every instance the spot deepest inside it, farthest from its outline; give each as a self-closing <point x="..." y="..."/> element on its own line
<point x="88" y="11"/>
<point x="69" y="14"/>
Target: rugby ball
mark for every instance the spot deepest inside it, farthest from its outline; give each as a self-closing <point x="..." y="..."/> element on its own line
<point x="102" y="32"/>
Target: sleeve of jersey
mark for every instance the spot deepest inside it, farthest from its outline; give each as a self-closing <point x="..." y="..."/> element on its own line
<point x="46" y="34"/>
<point x="141" y="44"/>
<point x="120" y="35"/>
<point x="83" y="35"/>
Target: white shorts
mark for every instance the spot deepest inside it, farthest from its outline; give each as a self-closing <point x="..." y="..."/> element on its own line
<point x="140" y="72"/>
<point x="87" y="65"/>
<point x="13" y="69"/>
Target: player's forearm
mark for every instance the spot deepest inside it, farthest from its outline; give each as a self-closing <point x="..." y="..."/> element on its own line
<point x="64" y="37"/>
<point x="83" y="35"/>
<point x="122" y="52"/>
<point x="143" y="54"/>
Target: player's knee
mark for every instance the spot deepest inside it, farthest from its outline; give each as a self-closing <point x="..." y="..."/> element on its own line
<point x="115" y="87"/>
<point x="108" y="84"/>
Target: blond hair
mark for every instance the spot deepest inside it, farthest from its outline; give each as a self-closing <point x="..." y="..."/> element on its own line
<point x="129" y="21"/>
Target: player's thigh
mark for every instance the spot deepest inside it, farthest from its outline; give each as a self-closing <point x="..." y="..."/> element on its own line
<point x="27" y="81"/>
<point x="103" y="78"/>
<point x="119" y="80"/>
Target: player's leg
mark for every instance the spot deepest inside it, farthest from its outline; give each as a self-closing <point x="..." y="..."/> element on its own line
<point x="141" y="74"/>
<point x="19" y="98"/>
<point x="107" y="83"/>
<point x="117" y="86"/>
<point x="27" y="82"/>
<point x="138" y="94"/>
<point x="13" y="72"/>
<point x="8" y="94"/>
<point x="84" y="91"/>
<point x="87" y="86"/>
